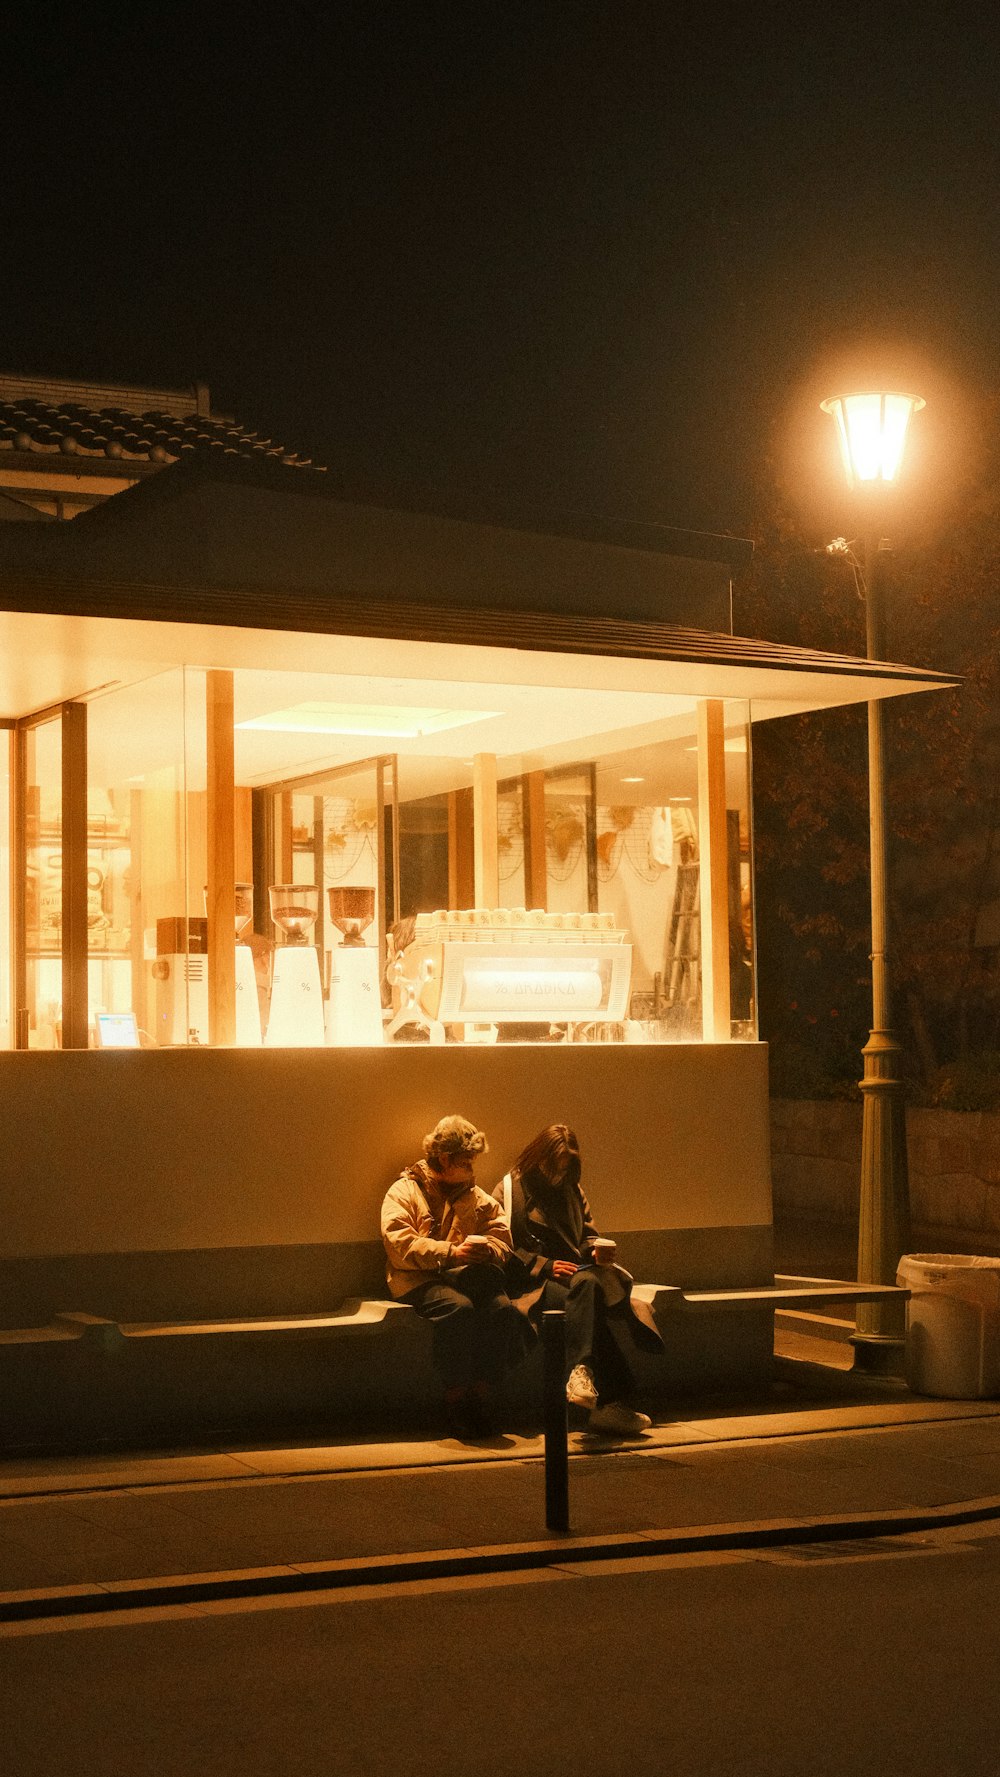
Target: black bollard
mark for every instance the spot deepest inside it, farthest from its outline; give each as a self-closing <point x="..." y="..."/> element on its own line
<point x="556" y="1425"/>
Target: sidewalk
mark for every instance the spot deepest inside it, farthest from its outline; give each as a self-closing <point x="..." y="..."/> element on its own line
<point x="825" y="1453"/>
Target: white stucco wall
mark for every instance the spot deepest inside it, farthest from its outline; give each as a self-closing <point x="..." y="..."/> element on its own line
<point x="165" y="1151"/>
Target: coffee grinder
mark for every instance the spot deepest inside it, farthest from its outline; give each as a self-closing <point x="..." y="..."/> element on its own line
<point x="354" y="1008"/>
<point x="296" y="1020"/>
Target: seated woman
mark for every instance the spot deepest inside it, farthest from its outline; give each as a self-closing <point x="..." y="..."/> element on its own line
<point x="553" y="1233"/>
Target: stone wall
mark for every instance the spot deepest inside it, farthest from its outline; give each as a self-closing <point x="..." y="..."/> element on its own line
<point x="954" y="1159"/>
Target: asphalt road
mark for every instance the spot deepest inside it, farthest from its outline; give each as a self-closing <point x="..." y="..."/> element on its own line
<point x="844" y="1659"/>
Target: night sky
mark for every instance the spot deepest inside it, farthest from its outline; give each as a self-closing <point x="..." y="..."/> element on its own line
<point x="591" y="258"/>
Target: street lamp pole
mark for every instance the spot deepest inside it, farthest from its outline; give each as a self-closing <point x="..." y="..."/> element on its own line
<point x="872" y="430"/>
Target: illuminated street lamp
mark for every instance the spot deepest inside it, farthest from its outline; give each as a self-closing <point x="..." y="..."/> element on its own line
<point x="872" y="428"/>
<point x="872" y="431"/>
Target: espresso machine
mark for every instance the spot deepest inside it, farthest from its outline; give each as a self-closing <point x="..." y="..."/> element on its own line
<point x="296" y="1020"/>
<point x="354" y="1007"/>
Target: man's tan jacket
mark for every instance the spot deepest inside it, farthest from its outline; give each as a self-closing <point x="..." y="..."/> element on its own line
<point x="421" y="1227"/>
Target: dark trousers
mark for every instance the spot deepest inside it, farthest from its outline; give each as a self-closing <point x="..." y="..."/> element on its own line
<point x="478" y="1333"/>
<point x="596" y="1335"/>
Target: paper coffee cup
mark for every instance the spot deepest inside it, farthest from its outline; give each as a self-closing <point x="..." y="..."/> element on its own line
<point x="604" y="1251"/>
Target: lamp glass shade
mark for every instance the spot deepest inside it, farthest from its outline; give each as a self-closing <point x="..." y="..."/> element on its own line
<point x="872" y="431"/>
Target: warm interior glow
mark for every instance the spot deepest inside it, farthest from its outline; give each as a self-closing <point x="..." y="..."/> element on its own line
<point x="376" y="721"/>
<point x="872" y="431"/>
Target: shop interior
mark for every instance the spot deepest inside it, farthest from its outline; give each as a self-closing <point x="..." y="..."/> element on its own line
<point x="441" y="854"/>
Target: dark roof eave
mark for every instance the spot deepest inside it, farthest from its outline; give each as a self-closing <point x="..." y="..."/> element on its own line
<point x="537" y="631"/>
<point x="60" y="462"/>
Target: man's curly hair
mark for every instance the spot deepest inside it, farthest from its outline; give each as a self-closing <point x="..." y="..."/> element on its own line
<point x="453" y="1138"/>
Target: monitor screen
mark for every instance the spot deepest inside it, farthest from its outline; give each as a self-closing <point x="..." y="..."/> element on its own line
<point x="117" y="1030"/>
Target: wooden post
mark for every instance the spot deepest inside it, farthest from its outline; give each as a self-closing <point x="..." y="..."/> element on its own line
<point x="137" y="909"/>
<point x="75" y="1010"/>
<point x="285" y="852"/>
<point x="484" y="815"/>
<point x="221" y="822"/>
<point x="18" y="887"/>
<point x="713" y="858"/>
<point x="461" y="869"/>
<point x="590" y="829"/>
<point x="319" y="870"/>
<point x="536" y="885"/>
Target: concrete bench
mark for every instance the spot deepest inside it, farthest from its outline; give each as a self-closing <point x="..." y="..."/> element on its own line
<point x="787" y="1292"/>
<point x="357" y="1316"/>
<point x="86" y="1378"/>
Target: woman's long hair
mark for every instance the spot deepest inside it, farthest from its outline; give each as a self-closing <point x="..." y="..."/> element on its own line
<point x="551" y="1159"/>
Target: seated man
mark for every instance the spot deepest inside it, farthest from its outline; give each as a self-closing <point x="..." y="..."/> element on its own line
<point x="446" y="1243"/>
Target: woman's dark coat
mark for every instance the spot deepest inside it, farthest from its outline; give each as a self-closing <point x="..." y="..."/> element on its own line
<point x="561" y="1225"/>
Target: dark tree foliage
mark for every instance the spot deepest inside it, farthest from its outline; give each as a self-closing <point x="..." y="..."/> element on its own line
<point x="942" y="597"/>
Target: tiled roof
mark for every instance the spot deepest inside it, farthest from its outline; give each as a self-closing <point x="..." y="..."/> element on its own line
<point x="67" y="428"/>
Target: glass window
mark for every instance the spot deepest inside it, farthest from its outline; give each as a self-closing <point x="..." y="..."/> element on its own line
<point x="413" y="861"/>
<point x="602" y="852"/>
<point x="145" y="864"/>
<point x="742" y="972"/>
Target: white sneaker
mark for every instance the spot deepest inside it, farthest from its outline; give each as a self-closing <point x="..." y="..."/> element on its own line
<point x="618" y="1421"/>
<point x="581" y="1389"/>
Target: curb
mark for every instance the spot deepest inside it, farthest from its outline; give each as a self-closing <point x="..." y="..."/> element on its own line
<point x="380" y="1570"/>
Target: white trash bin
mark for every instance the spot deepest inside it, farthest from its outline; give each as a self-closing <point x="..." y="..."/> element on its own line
<point x="952" y="1324"/>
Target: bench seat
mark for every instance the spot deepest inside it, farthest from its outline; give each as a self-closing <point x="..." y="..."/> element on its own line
<point x="357" y="1315"/>
<point x="87" y="1379"/>
<point x="789" y="1292"/>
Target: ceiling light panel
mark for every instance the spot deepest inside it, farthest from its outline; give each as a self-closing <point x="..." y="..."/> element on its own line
<point x="371" y="720"/>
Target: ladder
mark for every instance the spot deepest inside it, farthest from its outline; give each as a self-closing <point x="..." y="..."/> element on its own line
<point x="683" y="958"/>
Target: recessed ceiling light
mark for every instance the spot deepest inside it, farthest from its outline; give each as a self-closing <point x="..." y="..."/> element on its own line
<point x="374" y="720"/>
<point x="678" y="798"/>
<point x="632" y="780"/>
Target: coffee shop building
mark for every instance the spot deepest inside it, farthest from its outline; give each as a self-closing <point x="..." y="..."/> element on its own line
<point x="322" y="819"/>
